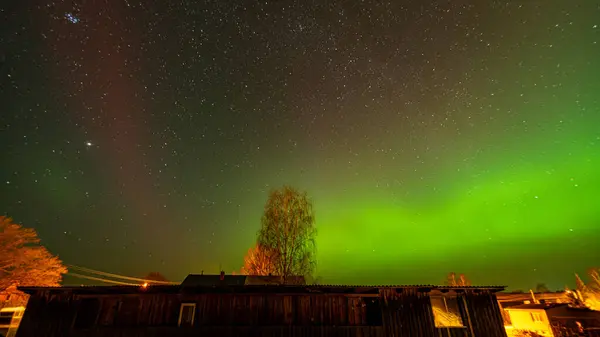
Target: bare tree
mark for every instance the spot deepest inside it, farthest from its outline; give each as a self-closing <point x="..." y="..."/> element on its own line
<point x="589" y="293"/>
<point x="541" y="288"/>
<point x="156" y="276"/>
<point x="462" y="280"/>
<point x="288" y="233"/>
<point x="594" y="274"/>
<point x="451" y="279"/>
<point x="315" y="280"/>
<point x="23" y="261"/>
<point x="258" y="261"/>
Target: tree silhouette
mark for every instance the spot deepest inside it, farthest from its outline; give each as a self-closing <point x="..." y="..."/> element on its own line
<point x="23" y="261"/>
<point x="541" y="288"/>
<point x="288" y="233"/>
<point x="594" y="274"/>
<point x="258" y="261"/>
<point x="589" y="293"/>
<point x="155" y="276"/>
<point x="462" y="280"/>
<point x="315" y="280"/>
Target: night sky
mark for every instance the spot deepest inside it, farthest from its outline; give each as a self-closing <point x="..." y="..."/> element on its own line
<point x="431" y="136"/>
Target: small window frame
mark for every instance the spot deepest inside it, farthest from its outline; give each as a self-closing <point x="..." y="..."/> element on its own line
<point x="536" y="317"/>
<point x="373" y="312"/>
<point x="444" y="299"/>
<point x="181" y="308"/>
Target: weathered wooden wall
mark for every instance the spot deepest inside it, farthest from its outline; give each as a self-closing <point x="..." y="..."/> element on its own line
<point x="50" y="315"/>
<point x="485" y="316"/>
<point x="293" y="331"/>
<point x="405" y="313"/>
<point x="62" y="315"/>
<point x="234" y="310"/>
<point x="408" y="313"/>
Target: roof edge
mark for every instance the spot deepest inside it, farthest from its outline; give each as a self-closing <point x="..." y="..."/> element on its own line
<point x="31" y="290"/>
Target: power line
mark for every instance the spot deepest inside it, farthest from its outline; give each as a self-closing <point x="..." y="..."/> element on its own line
<point x="117" y="276"/>
<point x="101" y="279"/>
<point x="97" y="272"/>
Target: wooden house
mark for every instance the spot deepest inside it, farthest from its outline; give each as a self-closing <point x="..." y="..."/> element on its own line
<point x="235" y="308"/>
<point x="509" y="300"/>
<point x="555" y="320"/>
<point x="194" y="280"/>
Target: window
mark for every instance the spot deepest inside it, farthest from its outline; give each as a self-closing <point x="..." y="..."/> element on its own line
<point x="445" y="312"/>
<point x="187" y="312"/>
<point x="536" y="317"/>
<point x="6" y="317"/>
<point x="373" y="312"/>
<point x="87" y="313"/>
<point x="19" y="313"/>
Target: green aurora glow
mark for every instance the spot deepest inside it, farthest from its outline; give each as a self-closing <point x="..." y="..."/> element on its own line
<point x="499" y="220"/>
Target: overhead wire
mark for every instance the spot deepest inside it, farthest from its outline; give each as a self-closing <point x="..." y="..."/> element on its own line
<point x="101" y="279"/>
<point x="117" y="276"/>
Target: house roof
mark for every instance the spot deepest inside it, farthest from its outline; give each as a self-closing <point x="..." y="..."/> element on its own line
<point x="244" y="289"/>
<point x="560" y="311"/>
<point x="535" y="306"/>
<point x="195" y="280"/>
<point x="527" y="295"/>
<point x="194" y="283"/>
<point x="274" y="280"/>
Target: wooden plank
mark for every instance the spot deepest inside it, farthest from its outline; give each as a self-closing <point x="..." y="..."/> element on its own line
<point x="405" y="313"/>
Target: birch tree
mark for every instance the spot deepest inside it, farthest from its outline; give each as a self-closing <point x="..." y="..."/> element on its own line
<point x="288" y="233"/>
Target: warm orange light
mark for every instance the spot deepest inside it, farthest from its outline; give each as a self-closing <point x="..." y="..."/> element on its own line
<point x="145" y="285"/>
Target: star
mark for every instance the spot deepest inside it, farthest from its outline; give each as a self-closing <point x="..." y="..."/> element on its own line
<point x="71" y="18"/>
<point x="387" y="133"/>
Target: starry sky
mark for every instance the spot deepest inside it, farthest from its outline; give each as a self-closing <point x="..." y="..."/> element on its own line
<point x="432" y="136"/>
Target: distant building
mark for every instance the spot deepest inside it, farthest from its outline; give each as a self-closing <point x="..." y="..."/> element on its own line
<point x="223" y="305"/>
<point x="554" y="320"/>
<point x="508" y="300"/>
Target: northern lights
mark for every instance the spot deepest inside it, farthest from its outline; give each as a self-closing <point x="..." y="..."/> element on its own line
<point x="431" y="137"/>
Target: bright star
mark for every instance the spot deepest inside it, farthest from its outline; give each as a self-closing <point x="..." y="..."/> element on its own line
<point x="88" y="144"/>
<point x="71" y="18"/>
